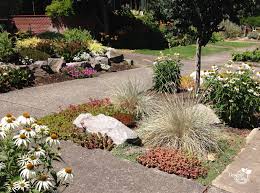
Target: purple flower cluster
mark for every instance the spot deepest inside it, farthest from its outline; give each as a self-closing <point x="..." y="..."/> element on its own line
<point x="79" y="72"/>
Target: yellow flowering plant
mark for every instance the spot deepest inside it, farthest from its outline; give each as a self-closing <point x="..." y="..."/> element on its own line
<point x="27" y="152"/>
<point x="96" y="47"/>
<point x="28" y="43"/>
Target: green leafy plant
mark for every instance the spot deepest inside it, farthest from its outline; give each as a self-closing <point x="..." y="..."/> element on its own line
<point x="235" y="95"/>
<point x="167" y="74"/>
<point x="251" y="56"/>
<point x="77" y="35"/>
<point x="217" y="37"/>
<point x="48" y="35"/>
<point x="94" y="141"/>
<point x="15" y="78"/>
<point x="27" y="155"/>
<point x="68" y="49"/>
<point x="181" y="123"/>
<point x="33" y="54"/>
<point x="173" y="162"/>
<point x="254" y="35"/>
<point x="59" y="8"/>
<point x="6" y="46"/>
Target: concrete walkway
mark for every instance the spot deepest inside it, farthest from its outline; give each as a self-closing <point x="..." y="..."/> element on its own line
<point x="233" y="179"/>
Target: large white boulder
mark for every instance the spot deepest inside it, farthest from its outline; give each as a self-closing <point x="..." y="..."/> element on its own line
<point x="110" y="126"/>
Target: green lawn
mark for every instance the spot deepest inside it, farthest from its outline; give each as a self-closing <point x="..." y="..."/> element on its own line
<point x="189" y="51"/>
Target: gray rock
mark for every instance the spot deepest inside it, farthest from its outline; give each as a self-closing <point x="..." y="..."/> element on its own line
<point x="56" y="64"/>
<point x="83" y="64"/>
<point x="40" y="68"/>
<point x="117" y="59"/>
<point x="110" y="126"/>
<point x="101" y="60"/>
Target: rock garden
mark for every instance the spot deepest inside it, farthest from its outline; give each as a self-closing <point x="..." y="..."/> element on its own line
<point x="169" y="127"/>
<point x="31" y="60"/>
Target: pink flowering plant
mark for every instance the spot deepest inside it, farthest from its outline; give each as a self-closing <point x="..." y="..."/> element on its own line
<point x="27" y="152"/>
<point x="79" y="72"/>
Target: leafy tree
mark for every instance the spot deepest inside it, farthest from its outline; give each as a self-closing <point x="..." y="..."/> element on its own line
<point x="203" y="15"/>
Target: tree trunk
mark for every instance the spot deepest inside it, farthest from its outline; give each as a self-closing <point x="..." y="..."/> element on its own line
<point x="198" y="65"/>
<point x="104" y="7"/>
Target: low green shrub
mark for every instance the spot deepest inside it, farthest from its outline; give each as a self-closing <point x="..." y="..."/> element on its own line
<point x="77" y="35"/>
<point x="253" y="21"/>
<point x="217" y="37"/>
<point x="6" y="46"/>
<point x="231" y="30"/>
<point x="69" y="49"/>
<point x="254" y="35"/>
<point x="235" y="96"/>
<point x="252" y="56"/>
<point x="167" y="74"/>
<point x="33" y="54"/>
<point x="48" y="35"/>
<point x="11" y="78"/>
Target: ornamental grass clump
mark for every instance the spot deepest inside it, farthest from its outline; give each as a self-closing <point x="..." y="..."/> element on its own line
<point x="234" y="92"/>
<point x="133" y="97"/>
<point x="180" y="123"/>
<point x="27" y="152"/>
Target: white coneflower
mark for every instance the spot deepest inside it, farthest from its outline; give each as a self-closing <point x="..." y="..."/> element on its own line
<point x="7" y="116"/>
<point x="2" y="134"/>
<point x="21" y="185"/>
<point x="22" y="161"/>
<point x="10" y="124"/>
<point x="43" y="183"/>
<point x="38" y="152"/>
<point x="258" y="74"/>
<point x="34" y="160"/>
<point x="2" y="166"/>
<point x="65" y="175"/>
<point x="29" y="132"/>
<point x="41" y="129"/>
<point x="28" y="171"/>
<point x="53" y="140"/>
<point x="25" y="119"/>
<point x="21" y="139"/>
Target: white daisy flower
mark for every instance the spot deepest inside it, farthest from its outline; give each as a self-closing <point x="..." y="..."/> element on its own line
<point x="10" y="124"/>
<point x="21" y="185"/>
<point x="7" y="116"/>
<point x="2" y="166"/>
<point x="251" y="90"/>
<point x="28" y="171"/>
<point x="53" y="140"/>
<point x="41" y="129"/>
<point x="258" y="74"/>
<point x="2" y="134"/>
<point x="245" y="66"/>
<point x="21" y="139"/>
<point x="43" y="183"/>
<point x="29" y="132"/>
<point x="38" y="152"/>
<point x="34" y="160"/>
<point x="22" y="161"/>
<point x="214" y="68"/>
<point x="25" y="119"/>
<point x="65" y="175"/>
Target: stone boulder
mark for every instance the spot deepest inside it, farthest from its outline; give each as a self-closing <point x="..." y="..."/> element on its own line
<point x="56" y="64"/>
<point x="110" y="126"/>
<point x="83" y="64"/>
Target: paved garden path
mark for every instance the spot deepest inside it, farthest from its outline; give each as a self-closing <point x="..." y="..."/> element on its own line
<point x="233" y="179"/>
